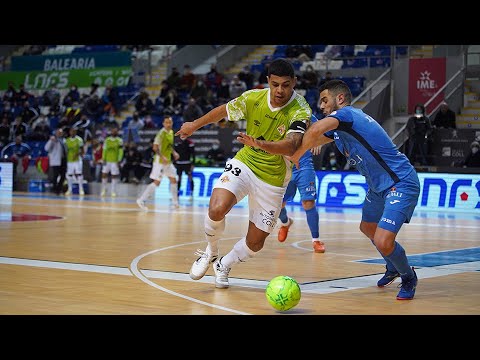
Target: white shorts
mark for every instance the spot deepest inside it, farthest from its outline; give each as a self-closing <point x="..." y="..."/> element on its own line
<point x="75" y="167"/>
<point x="264" y="200"/>
<point x="111" y="167"/>
<point x="159" y="170"/>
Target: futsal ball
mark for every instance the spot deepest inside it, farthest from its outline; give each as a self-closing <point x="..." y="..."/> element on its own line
<point x="283" y="293"/>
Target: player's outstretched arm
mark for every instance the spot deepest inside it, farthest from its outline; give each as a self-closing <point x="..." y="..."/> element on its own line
<point x="214" y="115"/>
<point x="285" y="146"/>
<point x="314" y="137"/>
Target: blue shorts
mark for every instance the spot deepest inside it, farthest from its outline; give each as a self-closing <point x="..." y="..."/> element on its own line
<point x="392" y="207"/>
<point x="304" y="180"/>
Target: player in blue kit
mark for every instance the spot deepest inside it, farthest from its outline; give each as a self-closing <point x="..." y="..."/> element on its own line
<point x="303" y="179"/>
<point x="393" y="182"/>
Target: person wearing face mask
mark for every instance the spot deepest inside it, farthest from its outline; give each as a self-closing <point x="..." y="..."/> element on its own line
<point x="419" y="128"/>
<point x="473" y="157"/>
<point x="216" y="155"/>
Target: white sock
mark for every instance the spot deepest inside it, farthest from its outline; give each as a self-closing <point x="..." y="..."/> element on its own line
<point x="214" y="229"/>
<point x="149" y="190"/>
<point x="240" y="253"/>
<point x="174" y="193"/>
<point x="104" y="184"/>
<point x="70" y="182"/>
<point x="80" y="183"/>
<point x="114" y="183"/>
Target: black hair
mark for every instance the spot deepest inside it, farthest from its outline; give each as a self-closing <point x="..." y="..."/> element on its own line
<point x="337" y="87"/>
<point x="281" y="67"/>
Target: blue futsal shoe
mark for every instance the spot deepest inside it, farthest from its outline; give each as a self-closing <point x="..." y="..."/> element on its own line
<point x="388" y="278"/>
<point x="407" y="290"/>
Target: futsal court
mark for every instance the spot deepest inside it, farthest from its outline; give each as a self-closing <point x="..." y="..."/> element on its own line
<point x="93" y="255"/>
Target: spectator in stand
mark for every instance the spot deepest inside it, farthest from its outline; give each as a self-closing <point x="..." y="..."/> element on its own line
<point x="328" y="77"/>
<point x="192" y="111"/>
<point x="7" y="110"/>
<point x="237" y="87"/>
<point x="216" y="155"/>
<point x="110" y="99"/>
<point x="223" y="92"/>
<point x="57" y="160"/>
<point x="247" y="77"/>
<point x="51" y="97"/>
<point x="172" y="103"/>
<point x="419" y="129"/>
<point x="332" y="158"/>
<point x="23" y="95"/>
<point x="445" y="118"/>
<point x="164" y="87"/>
<point x="73" y="93"/>
<point x="188" y="79"/>
<point x="213" y="78"/>
<point x="15" y="152"/>
<point x="262" y="78"/>
<point x="18" y="128"/>
<point x="174" y="79"/>
<point x="160" y="99"/>
<point x="73" y="113"/>
<point x="94" y="90"/>
<point x="199" y="91"/>
<point x="473" y="157"/>
<point x="132" y="132"/>
<point x="10" y="94"/>
<point x="4" y="131"/>
<point x="144" y="105"/>
<point x="93" y="107"/>
<point x="41" y="129"/>
<point x="309" y="78"/>
<point x="28" y="113"/>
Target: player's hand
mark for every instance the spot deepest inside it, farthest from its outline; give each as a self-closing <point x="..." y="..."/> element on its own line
<point x="187" y="129"/>
<point x="316" y="150"/>
<point x="246" y="139"/>
<point x="176" y="156"/>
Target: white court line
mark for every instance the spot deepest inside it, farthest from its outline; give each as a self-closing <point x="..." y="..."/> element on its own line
<point x="324" y="287"/>
<point x="138" y="274"/>
<point x="186" y="210"/>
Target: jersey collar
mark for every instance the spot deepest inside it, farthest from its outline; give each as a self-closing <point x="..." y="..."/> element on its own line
<point x="294" y="94"/>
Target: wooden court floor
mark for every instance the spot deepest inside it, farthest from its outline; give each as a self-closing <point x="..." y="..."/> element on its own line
<point x="104" y="256"/>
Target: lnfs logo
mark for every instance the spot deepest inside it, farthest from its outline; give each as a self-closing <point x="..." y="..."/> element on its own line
<point x="452" y="191"/>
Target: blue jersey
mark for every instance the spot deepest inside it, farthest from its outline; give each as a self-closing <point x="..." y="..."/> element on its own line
<point x="367" y="146"/>
<point x="306" y="161"/>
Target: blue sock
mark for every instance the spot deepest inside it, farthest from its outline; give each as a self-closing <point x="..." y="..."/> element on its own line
<point x="400" y="261"/>
<point x="390" y="266"/>
<point x="283" y="215"/>
<point x="312" y="220"/>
